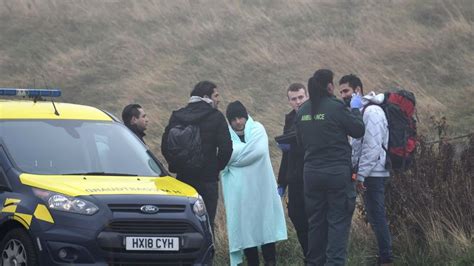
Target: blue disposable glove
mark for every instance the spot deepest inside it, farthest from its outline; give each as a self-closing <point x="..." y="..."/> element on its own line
<point x="356" y="101"/>
<point x="284" y="147"/>
<point x="281" y="191"/>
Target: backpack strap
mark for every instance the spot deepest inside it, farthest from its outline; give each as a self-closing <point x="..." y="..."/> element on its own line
<point x="369" y="104"/>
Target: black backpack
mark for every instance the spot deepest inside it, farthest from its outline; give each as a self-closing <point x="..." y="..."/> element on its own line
<point x="185" y="147"/>
<point x="399" y="108"/>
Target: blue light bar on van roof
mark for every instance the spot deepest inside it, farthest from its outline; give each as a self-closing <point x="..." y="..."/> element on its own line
<point x="30" y="92"/>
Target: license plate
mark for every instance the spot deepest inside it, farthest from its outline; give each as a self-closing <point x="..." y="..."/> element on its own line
<point x="152" y="243"/>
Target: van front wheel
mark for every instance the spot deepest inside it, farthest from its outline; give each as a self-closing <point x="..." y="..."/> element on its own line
<point x="17" y="249"/>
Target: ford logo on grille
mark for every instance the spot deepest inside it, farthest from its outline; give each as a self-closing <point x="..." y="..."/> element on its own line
<point x="150" y="209"/>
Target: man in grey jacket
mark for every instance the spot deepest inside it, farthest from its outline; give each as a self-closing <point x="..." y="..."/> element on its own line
<point x="368" y="160"/>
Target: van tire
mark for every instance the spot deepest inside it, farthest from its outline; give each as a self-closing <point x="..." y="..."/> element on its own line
<point x="17" y="244"/>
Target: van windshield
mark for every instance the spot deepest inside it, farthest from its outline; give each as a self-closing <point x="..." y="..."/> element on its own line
<point x="59" y="147"/>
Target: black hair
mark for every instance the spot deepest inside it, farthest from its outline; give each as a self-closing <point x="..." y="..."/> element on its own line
<point x="354" y="82"/>
<point x="203" y="88"/>
<point x="295" y="87"/>
<point x="318" y="87"/>
<point x="236" y="110"/>
<point x="130" y="111"/>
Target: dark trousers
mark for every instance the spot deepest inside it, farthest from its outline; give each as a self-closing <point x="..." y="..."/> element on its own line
<point x="268" y="252"/>
<point x="374" y="198"/>
<point x="297" y="213"/>
<point x="329" y="219"/>
<point x="209" y="192"/>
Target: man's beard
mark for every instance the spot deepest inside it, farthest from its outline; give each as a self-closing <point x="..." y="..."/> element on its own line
<point x="347" y="101"/>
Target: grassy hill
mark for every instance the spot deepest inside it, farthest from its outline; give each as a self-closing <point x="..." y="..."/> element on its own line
<point x="109" y="53"/>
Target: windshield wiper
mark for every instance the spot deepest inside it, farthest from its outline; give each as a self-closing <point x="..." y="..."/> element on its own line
<point x="100" y="173"/>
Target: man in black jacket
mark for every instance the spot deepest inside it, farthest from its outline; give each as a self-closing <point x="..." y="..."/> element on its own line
<point x="216" y="145"/>
<point x="291" y="168"/>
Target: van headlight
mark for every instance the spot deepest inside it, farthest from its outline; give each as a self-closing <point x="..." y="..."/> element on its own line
<point x="60" y="202"/>
<point x="199" y="207"/>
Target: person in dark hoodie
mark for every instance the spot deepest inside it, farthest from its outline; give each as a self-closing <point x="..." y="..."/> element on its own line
<point x="216" y="145"/>
<point x="134" y="117"/>
<point x="322" y="126"/>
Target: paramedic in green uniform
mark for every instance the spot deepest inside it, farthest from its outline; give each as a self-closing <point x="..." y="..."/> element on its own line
<point x="323" y="125"/>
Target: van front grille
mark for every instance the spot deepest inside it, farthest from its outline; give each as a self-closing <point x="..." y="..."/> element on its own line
<point x="150" y="227"/>
<point x="163" y="208"/>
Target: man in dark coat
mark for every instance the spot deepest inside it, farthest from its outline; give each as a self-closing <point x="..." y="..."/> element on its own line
<point x="291" y="168"/>
<point x="216" y="145"/>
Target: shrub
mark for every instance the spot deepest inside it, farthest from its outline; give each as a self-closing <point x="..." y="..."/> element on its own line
<point x="430" y="207"/>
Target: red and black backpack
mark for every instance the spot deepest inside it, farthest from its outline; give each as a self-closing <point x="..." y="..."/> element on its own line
<point x="399" y="108"/>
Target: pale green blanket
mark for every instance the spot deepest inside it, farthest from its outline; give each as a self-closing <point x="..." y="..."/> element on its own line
<point x="254" y="210"/>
